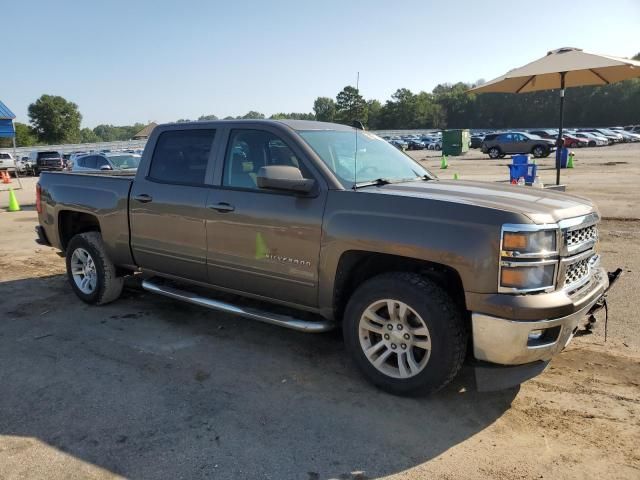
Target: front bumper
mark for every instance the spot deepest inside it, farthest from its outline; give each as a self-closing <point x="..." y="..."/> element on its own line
<point x="507" y="342"/>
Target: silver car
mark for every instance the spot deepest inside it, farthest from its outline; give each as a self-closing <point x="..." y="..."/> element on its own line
<point x="95" y="162"/>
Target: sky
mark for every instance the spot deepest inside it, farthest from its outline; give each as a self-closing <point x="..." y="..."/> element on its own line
<point x="133" y="61"/>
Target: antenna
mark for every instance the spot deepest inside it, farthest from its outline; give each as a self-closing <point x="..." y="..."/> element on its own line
<point x="355" y="130"/>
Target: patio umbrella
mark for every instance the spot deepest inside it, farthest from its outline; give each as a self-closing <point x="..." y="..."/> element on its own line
<point x="564" y="67"/>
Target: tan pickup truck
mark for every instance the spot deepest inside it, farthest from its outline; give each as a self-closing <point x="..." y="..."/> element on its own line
<point x="311" y="225"/>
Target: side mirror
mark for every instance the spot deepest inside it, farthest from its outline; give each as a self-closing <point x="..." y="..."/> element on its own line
<point x="106" y="167"/>
<point x="284" y="177"/>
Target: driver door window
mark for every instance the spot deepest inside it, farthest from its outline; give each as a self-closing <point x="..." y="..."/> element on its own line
<point x="248" y="151"/>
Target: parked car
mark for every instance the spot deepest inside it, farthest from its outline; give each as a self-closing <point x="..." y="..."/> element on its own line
<point x="415" y="269"/>
<point x="46" y="161"/>
<point x="7" y="163"/>
<point x="592" y="140"/>
<point x="629" y="136"/>
<point x="545" y="133"/>
<point x="399" y="143"/>
<point x="415" y="144"/>
<point x="611" y="138"/>
<point x="476" y="141"/>
<point x="104" y="161"/>
<point x="433" y="143"/>
<point x="498" y="145"/>
<point x="572" y="141"/>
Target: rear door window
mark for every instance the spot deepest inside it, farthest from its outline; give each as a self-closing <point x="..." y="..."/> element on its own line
<point x="91" y="161"/>
<point x="181" y="156"/>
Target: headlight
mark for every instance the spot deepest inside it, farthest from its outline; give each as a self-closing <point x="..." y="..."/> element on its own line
<point x="528" y="258"/>
<point x="542" y="242"/>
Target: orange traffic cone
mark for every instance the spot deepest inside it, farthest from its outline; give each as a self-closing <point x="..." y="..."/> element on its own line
<point x="5" y="177"/>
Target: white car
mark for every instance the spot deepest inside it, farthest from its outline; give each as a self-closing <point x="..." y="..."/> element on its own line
<point x="593" y="140"/>
<point x="7" y="162"/>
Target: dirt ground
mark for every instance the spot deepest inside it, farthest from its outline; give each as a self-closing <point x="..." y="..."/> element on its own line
<point x="151" y="388"/>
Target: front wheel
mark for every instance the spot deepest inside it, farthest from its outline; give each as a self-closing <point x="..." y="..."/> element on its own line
<point x="405" y="333"/>
<point x="494" y="152"/>
<point x="90" y="271"/>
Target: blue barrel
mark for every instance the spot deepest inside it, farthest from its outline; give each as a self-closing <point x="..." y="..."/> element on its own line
<point x="520" y="159"/>
<point x="564" y="157"/>
<point x="528" y="171"/>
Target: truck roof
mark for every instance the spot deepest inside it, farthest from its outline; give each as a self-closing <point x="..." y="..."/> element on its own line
<point x="294" y="124"/>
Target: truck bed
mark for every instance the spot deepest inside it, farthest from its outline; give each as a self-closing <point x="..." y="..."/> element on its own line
<point x="104" y="195"/>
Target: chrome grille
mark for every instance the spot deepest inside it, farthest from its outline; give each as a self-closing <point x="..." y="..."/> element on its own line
<point x="576" y="271"/>
<point x="581" y="235"/>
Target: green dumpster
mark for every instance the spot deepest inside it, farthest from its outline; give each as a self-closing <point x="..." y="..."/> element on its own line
<point x="455" y="142"/>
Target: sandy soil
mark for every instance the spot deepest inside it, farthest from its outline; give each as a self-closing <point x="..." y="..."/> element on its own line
<point x="149" y="388"/>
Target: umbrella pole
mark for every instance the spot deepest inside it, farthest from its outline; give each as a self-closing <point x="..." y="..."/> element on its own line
<point x="560" y="142"/>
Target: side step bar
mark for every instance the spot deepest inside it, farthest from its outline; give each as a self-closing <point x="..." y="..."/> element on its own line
<point x="247" y="312"/>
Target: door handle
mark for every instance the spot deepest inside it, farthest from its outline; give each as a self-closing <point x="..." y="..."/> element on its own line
<point x="143" y="197"/>
<point x="222" y="207"/>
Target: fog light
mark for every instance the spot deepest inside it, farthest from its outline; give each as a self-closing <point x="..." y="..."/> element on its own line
<point x="535" y="334"/>
<point x="543" y="336"/>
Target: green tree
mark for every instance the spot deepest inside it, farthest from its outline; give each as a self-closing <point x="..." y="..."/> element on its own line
<point x="374" y="114"/>
<point x="252" y="115"/>
<point x="55" y="119"/>
<point x="293" y="116"/>
<point x="325" y="109"/>
<point x="88" y="136"/>
<point x="113" y="133"/>
<point x="25" y="136"/>
<point x="350" y="106"/>
<point x="207" y="117"/>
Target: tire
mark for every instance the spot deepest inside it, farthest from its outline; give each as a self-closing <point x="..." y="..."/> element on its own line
<point x="102" y="285"/>
<point x="494" y="152"/>
<point x="592" y="143"/>
<point x="573" y="145"/>
<point x="540" y="151"/>
<point x="434" y="332"/>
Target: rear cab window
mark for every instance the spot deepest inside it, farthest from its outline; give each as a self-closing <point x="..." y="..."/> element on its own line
<point x="181" y="156"/>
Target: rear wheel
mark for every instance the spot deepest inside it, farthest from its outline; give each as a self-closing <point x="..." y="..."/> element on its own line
<point x="540" y="151"/>
<point x="91" y="273"/>
<point x="405" y="333"/>
<point x="494" y="152"/>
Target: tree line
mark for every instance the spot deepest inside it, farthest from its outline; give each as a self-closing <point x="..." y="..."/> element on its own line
<point x="55" y="120"/>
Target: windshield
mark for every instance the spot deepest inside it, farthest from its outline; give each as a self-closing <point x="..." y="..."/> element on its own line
<point x="125" y="161"/>
<point x="376" y="158"/>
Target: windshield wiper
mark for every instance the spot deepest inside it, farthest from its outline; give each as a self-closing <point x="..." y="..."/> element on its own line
<point x="370" y="183"/>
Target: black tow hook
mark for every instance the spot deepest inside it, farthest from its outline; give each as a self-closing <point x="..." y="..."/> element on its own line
<point x="599" y="305"/>
<point x="613" y="278"/>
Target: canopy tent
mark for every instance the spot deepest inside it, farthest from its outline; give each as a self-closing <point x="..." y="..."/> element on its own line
<point x="561" y="68"/>
<point x="6" y="122"/>
<point x="7" y="130"/>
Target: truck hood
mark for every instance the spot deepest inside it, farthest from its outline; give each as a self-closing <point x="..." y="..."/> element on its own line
<point x="540" y="205"/>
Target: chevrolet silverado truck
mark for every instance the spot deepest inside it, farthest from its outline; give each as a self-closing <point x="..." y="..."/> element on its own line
<point x="310" y="225"/>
